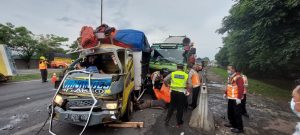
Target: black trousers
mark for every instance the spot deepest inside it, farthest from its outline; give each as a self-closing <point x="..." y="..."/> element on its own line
<point x="44" y="74"/>
<point x="243" y="103"/>
<point x="195" y="96"/>
<point x="234" y="113"/>
<point x="178" y="102"/>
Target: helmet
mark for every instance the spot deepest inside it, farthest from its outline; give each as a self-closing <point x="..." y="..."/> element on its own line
<point x="164" y="71"/>
<point x="42" y="58"/>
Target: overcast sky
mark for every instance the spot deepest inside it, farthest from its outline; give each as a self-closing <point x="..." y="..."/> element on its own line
<point x="198" y="19"/>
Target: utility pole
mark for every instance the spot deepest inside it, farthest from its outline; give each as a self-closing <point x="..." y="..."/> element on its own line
<point x="101" y="10"/>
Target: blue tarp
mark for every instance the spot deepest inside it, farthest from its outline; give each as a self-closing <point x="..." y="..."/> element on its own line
<point x="135" y="38"/>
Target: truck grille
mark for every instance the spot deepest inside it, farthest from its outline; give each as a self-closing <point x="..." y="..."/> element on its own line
<point x="75" y="104"/>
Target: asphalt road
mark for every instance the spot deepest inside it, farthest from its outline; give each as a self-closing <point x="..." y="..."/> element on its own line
<point x="23" y="110"/>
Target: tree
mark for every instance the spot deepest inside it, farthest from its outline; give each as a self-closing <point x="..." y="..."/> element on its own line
<point x="24" y="43"/>
<point x="50" y="43"/>
<point x="263" y="37"/>
<point x="6" y="33"/>
<point x="28" y="44"/>
<point x="74" y="46"/>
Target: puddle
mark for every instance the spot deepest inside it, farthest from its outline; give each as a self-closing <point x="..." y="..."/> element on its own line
<point x="216" y="85"/>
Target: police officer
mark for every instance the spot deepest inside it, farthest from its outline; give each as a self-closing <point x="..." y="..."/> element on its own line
<point x="43" y="68"/>
<point x="234" y="94"/>
<point x="178" y="83"/>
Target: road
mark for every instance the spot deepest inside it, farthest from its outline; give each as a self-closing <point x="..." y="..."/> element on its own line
<point x="23" y="109"/>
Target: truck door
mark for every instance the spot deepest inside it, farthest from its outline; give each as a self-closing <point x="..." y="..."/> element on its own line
<point x="129" y="79"/>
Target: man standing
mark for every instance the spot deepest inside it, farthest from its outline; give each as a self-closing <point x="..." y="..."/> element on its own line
<point x="195" y="82"/>
<point x="178" y="82"/>
<point x="234" y="93"/>
<point x="244" y="111"/>
<point x="43" y="68"/>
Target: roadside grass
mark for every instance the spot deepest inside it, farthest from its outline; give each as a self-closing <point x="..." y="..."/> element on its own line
<point x="259" y="87"/>
<point x="28" y="77"/>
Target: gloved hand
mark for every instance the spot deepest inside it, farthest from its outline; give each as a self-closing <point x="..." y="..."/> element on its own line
<point x="238" y="101"/>
<point x="225" y="96"/>
<point x="187" y="93"/>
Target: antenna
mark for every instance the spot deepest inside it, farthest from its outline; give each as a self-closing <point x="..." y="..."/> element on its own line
<point x="101" y="10"/>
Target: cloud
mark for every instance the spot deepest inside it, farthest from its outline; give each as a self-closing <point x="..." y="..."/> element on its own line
<point x="67" y="19"/>
<point x="156" y="18"/>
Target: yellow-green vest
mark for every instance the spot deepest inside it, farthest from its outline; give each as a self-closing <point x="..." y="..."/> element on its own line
<point x="178" y="81"/>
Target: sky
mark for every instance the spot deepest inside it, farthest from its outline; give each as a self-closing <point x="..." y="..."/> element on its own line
<point x="197" y="19"/>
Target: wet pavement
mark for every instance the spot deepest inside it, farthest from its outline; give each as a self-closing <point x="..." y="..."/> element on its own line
<point x="23" y="109"/>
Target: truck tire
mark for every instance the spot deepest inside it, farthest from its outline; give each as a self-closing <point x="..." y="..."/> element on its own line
<point x="60" y="66"/>
<point x="129" y="110"/>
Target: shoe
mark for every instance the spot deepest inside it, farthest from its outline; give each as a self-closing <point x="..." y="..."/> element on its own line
<point x="246" y="115"/>
<point x="179" y="124"/>
<point x="235" y="130"/>
<point x="228" y="125"/>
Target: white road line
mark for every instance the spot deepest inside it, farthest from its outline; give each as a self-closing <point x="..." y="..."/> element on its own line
<point x="23" y="81"/>
<point x="30" y="129"/>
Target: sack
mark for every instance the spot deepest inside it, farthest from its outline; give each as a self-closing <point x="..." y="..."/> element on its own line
<point x="88" y="38"/>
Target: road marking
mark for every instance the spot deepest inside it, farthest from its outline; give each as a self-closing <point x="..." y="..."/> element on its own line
<point x="30" y="129"/>
<point x="22" y="81"/>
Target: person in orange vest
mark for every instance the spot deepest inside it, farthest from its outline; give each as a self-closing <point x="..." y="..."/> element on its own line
<point x="234" y="94"/>
<point x="195" y="82"/>
<point x="244" y="111"/>
<point x="43" y="65"/>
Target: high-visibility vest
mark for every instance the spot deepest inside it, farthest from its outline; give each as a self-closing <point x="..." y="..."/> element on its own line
<point x="245" y="79"/>
<point x="163" y="94"/>
<point x="43" y="65"/>
<point x="232" y="88"/>
<point x="195" y="78"/>
<point x="178" y="81"/>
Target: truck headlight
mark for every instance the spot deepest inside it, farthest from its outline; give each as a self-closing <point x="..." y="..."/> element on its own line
<point x="59" y="100"/>
<point x="110" y="105"/>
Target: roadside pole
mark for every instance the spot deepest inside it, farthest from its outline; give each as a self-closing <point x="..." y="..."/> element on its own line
<point x="202" y="117"/>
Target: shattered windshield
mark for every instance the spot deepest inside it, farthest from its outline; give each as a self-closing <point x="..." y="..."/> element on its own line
<point x="168" y="55"/>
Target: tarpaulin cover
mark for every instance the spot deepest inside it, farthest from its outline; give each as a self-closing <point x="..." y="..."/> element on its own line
<point x="136" y="39"/>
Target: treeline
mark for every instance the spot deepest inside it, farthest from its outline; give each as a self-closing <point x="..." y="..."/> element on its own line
<point x="262" y="37"/>
<point x="28" y="44"/>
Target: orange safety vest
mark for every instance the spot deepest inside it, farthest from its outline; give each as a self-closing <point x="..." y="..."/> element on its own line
<point x="43" y="65"/>
<point x="232" y="88"/>
<point x="163" y="93"/>
<point x="195" y="79"/>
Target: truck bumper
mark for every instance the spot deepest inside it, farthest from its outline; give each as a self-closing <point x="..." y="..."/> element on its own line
<point x="80" y="117"/>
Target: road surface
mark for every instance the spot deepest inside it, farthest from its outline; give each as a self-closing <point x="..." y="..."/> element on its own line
<point x="23" y="109"/>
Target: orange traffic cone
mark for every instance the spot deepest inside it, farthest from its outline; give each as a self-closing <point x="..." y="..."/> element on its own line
<point x="53" y="78"/>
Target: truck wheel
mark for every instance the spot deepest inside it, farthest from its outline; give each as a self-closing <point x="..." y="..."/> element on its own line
<point x="129" y="110"/>
<point x="60" y="66"/>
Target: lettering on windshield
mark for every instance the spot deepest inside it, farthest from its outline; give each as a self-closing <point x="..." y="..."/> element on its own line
<point x="82" y="86"/>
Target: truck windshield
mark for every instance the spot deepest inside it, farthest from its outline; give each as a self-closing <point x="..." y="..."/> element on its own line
<point x="168" y="55"/>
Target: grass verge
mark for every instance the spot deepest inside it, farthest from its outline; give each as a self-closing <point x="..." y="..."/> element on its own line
<point x="260" y="87"/>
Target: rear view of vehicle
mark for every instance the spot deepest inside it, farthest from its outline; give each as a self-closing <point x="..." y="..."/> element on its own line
<point x="7" y="67"/>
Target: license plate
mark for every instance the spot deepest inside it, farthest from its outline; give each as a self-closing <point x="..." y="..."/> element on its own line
<point x="77" y="117"/>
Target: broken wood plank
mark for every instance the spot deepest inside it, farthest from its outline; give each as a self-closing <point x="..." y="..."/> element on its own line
<point x="126" y="124"/>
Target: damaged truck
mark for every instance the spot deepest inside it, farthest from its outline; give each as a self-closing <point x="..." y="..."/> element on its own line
<point x="102" y="84"/>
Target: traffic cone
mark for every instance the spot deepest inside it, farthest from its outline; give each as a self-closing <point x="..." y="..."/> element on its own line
<point x="53" y="78"/>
